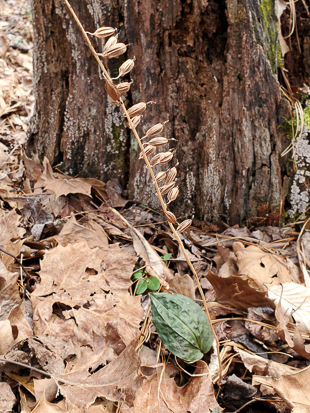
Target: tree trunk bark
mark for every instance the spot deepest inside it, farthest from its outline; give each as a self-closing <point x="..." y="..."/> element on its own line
<point x="208" y="65"/>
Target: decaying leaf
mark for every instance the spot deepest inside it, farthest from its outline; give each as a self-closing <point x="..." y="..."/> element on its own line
<point x="83" y="297"/>
<point x="294" y="300"/>
<point x="118" y="381"/>
<point x="261" y="366"/>
<point x="64" y="186"/>
<point x="164" y="396"/>
<point x="73" y="232"/>
<point x="292" y="388"/>
<point x="7" y="398"/>
<point x="237" y="293"/>
<point x="46" y="407"/>
<point x="263" y="269"/>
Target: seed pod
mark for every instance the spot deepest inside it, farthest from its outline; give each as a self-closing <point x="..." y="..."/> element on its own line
<point x="160" y="176"/>
<point x="126" y="67"/>
<point x="136" y="110"/>
<point x="166" y="188"/>
<point x="115" y="50"/>
<point x="158" y="141"/>
<point x="148" y="151"/>
<point x="173" y="194"/>
<point x="123" y="87"/>
<point x="156" y="159"/>
<point x="154" y="130"/>
<point x="167" y="156"/>
<point x="109" y="43"/>
<point x="112" y="92"/>
<point x="135" y="121"/>
<point x="184" y="225"/>
<point x="103" y="32"/>
<point x="171" y="174"/>
<point x="170" y="217"/>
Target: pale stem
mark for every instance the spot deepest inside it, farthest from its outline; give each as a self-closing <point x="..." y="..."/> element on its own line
<point x="163" y="205"/>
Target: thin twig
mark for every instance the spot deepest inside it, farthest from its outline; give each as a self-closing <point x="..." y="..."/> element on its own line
<point x="18" y="363"/>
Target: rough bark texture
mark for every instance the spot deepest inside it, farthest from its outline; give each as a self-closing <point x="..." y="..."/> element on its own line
<point x="208" y="65"/>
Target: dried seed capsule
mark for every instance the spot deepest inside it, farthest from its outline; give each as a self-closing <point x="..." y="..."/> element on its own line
<point x="154" y="130"/>
<point x="109" y="43"/>
<point x="103" y="32"/>
<point x="184" y="225"/>
<point x="123" y="87"/>
<point x="126" y="67"/>
<point x="167" y="156"/>
<point x="170" y="217"/>
<point x="135" y="121"/>
<point x="158" y="141"/>
<point x="173" y="194"/>
<point x="148" y="151"/>
<point x="171" y="174"/>
<point x="115" y="50"/>
<point x="112" y="92"/>
<point x="160" y="176"/>
<point x="156" y="160"/>
<point x="136" y="110"/>
<point x="166" y="188"/>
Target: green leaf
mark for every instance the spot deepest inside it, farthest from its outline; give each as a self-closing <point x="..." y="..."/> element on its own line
<point x="153" y="283"/>
<point x="182" y="325"/>
<point x="217" y="410"/>
<point x="136" y="275"/>
<point x="167" y="256"/>
<point x="141" y="286"/>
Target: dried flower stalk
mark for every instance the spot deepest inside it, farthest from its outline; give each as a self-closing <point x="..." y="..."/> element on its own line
<point x="163" y="158"/>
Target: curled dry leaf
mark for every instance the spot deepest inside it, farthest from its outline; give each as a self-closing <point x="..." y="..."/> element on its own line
<point x="64" y="185"/>
<point x="261" y="366"/>
<point x="237" y="293"/>
<point x="292" y="388"/>
<point x="294" y="300"/>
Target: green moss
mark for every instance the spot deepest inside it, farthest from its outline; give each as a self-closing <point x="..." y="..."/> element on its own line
<point x="290" y="125"/>
<point x="270" y="30"/>
<point x="266" y="9"/>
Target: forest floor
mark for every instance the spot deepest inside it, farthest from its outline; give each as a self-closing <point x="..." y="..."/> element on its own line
<point x="75" y="328"/>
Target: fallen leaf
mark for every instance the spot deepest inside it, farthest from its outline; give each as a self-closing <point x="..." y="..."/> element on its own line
<point x="263" y="269"/>
<point x="7" y="399"/>
<point x="9" y="228"/>
<point x="154" y="264"/>
<point x="183" y="285"/>
<point x="118" y="381"/>
<point x="292" y="388"/>
<point x="164" y="396"/>
<point x="46" y="407"/>
<point x="73" y="232"/>
<point x="63" y="186"/>
<point x="294" y="300"/>
<point x="261" y="366"/>
<point x="83" y="297"/>
<point x="236" y="292"/>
